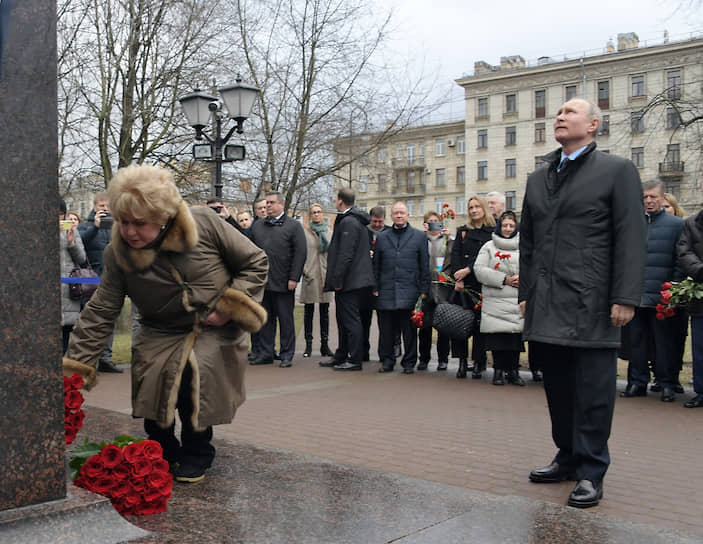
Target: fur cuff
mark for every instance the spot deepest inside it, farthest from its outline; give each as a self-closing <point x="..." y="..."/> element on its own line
<point x="87" y="372"/>
<point x="242" y="310"/>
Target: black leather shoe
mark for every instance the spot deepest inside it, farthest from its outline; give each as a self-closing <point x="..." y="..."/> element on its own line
<point x="308" y="350"/>
<point x="498" y="377"/>
<point x="325" y="351"/>
<point x="655" y="387"/>
<point x="276" y="356"/>
<point x="329" y="364"/>
<point x="515" y="378"/>
<point x="105" y="365"/>
<point x="261" y="361"/>
<point x="442" y="365"/>
<point x="668" y="395"/>
<point x="476" y="374"/>
<point x="286" y="363"/>
<point x="634" y="391"/>
<point x="461" y="372"/>
<point x="408" y="370"/>
<point x="422" y="365"/>
<point x="678" y="388"/>
<point x="550" y="474"/>
<point x="385" y="368"/>
<point x="347" y="366"/>
<point x="695" y="402"/>
<point x="537" y="376"/>
<point x="586" y="494"/>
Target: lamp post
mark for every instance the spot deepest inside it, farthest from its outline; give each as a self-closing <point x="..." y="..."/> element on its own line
<point x="198" y="107"/>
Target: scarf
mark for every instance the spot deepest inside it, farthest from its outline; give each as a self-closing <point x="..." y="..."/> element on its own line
<point x="321" y="230"/>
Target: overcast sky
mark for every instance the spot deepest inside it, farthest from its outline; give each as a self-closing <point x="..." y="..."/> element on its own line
<point x="446" y="37"/>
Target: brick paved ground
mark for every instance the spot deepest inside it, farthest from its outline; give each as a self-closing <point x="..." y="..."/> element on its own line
<point x="467" y="433"/>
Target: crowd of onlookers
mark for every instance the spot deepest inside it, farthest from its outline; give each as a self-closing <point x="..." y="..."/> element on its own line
<point x="369" y="262"/>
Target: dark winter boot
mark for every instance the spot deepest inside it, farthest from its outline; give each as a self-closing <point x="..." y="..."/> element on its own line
<point x="325" y="351"/>
<point x="307" y="323"/>
<point x="463" y="365"/>
<point x="308" y="348"/>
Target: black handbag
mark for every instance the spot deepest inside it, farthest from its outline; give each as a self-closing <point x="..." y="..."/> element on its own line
<point x="86" y="282"/>
<point x="453" y="320"/>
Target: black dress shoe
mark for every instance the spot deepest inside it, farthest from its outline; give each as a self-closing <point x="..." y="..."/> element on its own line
<point x="678" y="388"/>
<point x="442" y="365"/>
<point x="408" y="370"/>
<point x="422" y="365"/>
<point x="515" y="378"/>
<point x="668" y="395"/>
<point x="329" y="364"/>
<point x="347" y="365"/>
<point x="261" y="361"/>
<point x="286" y="363"/>
<point x="251" y="355"/>
<point x="105" y="365"/>
<point x="476" y="374"/>
<point x="385" y="368"/>
<point x="695" y="402"/>
<point x="586" y="494"/>
<point x="498" y="377"/>
<point x="537" y="376"/>
<point x="550" y="474"/>
<point x="634" y="391"/>
<point x="655" y="387"/>
<point x="276" y="356"/>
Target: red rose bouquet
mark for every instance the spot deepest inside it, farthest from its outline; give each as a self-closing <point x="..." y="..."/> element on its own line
<point x="131" y="473"/>
<point x="675" y="294"/>
<point x="72" y="400"/>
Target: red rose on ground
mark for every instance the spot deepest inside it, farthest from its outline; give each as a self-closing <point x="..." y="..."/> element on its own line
<point x="152" y="449"/>
<point x="140" y="468"/>
<point x="121" y="471"/>
<point x="111" y="456"/>
<point x="76" y="381"/>
<point x="93" y="467"/>
<point x="133" y="451"/>
<point x="160" y="465"/>
<point x="73" y="399"/>
<point x="120" y="489"/>
<point x="137" y="484"/>
<point x="133" y="497"/>
<point x="104" y="484"/>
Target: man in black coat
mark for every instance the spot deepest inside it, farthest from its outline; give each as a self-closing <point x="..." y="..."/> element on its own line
<point x="349" y="274"/>
<point x="283" y="240"/>
<point x="401" y="265"/>
<point x="582" y="253"/>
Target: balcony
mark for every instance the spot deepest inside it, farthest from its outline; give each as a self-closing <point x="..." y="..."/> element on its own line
<point x="417" y="163"/>
<point x="671" y="168"/>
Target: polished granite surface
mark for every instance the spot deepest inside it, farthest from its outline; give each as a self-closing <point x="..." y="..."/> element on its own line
<point x="253" y="494"/>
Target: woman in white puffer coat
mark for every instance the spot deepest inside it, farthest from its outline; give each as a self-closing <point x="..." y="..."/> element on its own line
<point x="497" y="267"/>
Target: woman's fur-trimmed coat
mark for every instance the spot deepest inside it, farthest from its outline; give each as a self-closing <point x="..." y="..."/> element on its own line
<point x="201" y="265"/>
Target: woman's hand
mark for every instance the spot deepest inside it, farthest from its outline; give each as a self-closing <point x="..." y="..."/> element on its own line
<point x="216" y="319"/>
<point x="71" y="235"/>
<point x="460" y="274"/>
<point x="459" y="285"/>
<point x="512" y="281"/>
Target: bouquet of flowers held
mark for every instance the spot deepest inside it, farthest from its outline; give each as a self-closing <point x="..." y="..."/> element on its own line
<point x="445" y="279"/>
<point x="418" y="314"/>
<point x="679" y="293"/>
<point x="72" y="400"/>
<point x="447" y="214"/>
<point x="131" y="473"/>
<point x="504" y="264"/>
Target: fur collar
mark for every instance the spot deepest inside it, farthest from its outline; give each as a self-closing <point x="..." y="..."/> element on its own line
<point x="181" y="237"/>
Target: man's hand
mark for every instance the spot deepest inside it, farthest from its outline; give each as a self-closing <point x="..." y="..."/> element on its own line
<point x="462" y="273"/>
<point x="216" y="319"/>
<point x="292" y="284"/>
<point x="621" y="315"/>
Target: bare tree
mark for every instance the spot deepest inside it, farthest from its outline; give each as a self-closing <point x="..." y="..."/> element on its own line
<point x="318" y="64"/>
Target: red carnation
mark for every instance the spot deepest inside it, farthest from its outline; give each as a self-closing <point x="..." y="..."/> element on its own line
<point x="666" y="285"/>
<point x="666" y="297"/>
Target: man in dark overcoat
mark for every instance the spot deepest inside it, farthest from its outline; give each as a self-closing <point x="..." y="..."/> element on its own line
<point x="582" y="252"/>
<point x="283" y="240"/>
<point x="401" y="266"/>
<point x="349" y="275"/>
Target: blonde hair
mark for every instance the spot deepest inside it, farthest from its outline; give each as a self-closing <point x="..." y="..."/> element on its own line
<point x="315" y="205"/>
<point x="144" y="192"/>
<point x="671" y="199"/>
<point x="487" y="220"/>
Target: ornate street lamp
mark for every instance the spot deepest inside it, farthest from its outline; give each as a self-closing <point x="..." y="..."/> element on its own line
<point x="199" y="107"/>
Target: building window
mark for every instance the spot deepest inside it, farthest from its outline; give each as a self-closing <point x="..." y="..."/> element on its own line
<point x="638" y="156"/>
<point x="439" y="144"/>
<point x="410" y="150"/>
<point x="510" y="200"/>
<point x="540" y="132"/>
<point x="421" y="211"/>
<point x="438" y="203"/>
<point x="510" y="103"/>
<point x="540" y="103"/>
<point x="461" y="144"/>
<point x="482" y="139"/>
<point x="363" y="184"/>
<point x="637" y="86"/>
<point x="673" y="120"/>
<point x="441" y="177"/>
<point x="482" y="170"/>
<point x="422" y="178"/>
<point x="569" y="92"/>
<point x="460" y="205"/>
<point x="510" y="168"/>
<point x="482" y="112"/>
<point x="411" y="179"/>
<point x="421" y="152"/>
<point x="382" y="188"/>
<point x="673" y="154"/>
<point x="399" y="151"/>
<point x="673" y="84"/>
<point x="381" y="154"/>
<point x="398" y="179"/>
<point x="461" y="175"/>
<point x="411" y="206"/>
<point x="604" y="95"/>
<point x="510" y="135"/>
<point x="604" y="128"/>
<point x="637" y="122"/>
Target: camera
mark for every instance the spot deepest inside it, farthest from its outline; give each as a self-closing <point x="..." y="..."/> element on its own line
<point x="217" y="209"/>
<point x="106" y="221"/>
<point x="435" y="225"/>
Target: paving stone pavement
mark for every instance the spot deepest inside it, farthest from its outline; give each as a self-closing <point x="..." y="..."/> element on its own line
<point x="466" y="433"/>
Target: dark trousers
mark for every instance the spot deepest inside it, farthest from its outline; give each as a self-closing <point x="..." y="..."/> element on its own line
<point x="460" y="349"/>
<point x="645" y="327"/>
<point x="424" y="337"/>
<point x="66" y="333"/>
<point x="697" y="352"/>
<point x="505" y="359"/>
<point x="324" y="322"/>
<point x="580" y="388"/>
<point x="279" y="307"/>
<point x="390" y="323"/>
<point x="350" y="347"/>
<point x="195" y="447"/>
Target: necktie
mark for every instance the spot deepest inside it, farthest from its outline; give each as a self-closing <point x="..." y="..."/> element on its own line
<point x="562" y="164"/>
